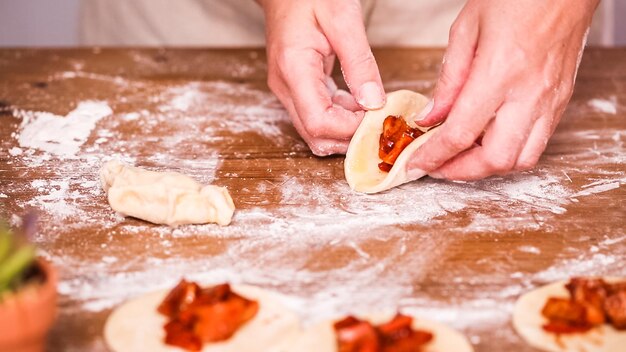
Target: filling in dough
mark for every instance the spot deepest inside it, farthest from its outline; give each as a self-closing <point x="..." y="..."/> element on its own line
<point x="396" y="136"/>
<point x="167" y="198"/>
<point x="236" y="318"/>
<point x="584" y="314"/>
<point x="387" y="332"/>
<point x="396" y="335"/>
<point x="200" y="315"/>
<point x="591" y="302"/>
<point x="380" y="150"/>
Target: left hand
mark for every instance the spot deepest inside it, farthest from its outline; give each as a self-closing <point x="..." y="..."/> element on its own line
<point x="509" y="72"/>
<point x="303" y="38"/>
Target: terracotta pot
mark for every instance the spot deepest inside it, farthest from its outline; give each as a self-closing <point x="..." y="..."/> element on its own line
<point x="26" y="317"/>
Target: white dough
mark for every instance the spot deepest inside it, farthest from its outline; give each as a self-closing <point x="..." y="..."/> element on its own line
<point x="321" y="338"/>
<point x="136" y="326"/>
<point x="164" y="197"/>
<point x="361" y="164"/>
<point x="528" y="321"/>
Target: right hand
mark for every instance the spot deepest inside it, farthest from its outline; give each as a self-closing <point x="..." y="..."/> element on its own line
<point x="508" y="75"/>
<point x="302" y="40"/>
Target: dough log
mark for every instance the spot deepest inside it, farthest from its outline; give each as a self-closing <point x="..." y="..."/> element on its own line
<point x="164" y="197"/>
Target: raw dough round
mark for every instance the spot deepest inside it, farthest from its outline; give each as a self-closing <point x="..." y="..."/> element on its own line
<point x="137" y="326"/>
<point x="361" y="164"/>
<point x="527" y="321"/>
<point x="321" y="338"/>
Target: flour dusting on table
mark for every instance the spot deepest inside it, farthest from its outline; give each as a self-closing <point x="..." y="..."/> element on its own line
<point x="319" y="217"/>
<point x="608" y="106"/>
<point x="60" y="135"/>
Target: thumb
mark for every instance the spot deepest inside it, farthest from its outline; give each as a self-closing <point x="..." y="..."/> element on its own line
<point x="457" y="63"/>
<point x="342" y="23"/>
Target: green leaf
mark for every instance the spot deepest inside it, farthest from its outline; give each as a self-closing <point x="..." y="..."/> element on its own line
<point x="14" y="266"/>
<point x="5" y="243"/>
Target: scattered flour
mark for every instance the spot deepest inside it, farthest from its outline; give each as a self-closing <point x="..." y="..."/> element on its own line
<point x="603" y="105"/>
<point x="483" y="312"/>
<point x="317" y="212"/>
<point x="131" y="116"/>
<point x="612" y="241"/>
<point x="584" y="265"/>
<point x="60" y="135"/>
<point x="529" y="249"/>
<point x="221" y="102"/>
<point x="613" y="184"/>
<point x="15" y="151"/>
<point x="55" y="197"/>
<point x="117" y="80"/>
<point x="185" y="97"/>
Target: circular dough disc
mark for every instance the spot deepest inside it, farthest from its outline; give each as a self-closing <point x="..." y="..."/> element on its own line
<point x="321" y="338"/>
<point x="528" y="321"/>
<point x="137" y="326"/>
<point x="361" y="164"/>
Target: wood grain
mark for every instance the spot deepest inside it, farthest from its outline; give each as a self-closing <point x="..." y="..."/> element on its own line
<point x="477" y="257"/>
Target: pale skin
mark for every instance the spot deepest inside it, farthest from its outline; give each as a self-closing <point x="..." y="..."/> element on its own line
<point x="508" y="74"/>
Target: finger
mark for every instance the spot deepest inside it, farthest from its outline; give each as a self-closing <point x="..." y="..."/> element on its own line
<point x="547" y="123"/>
<point x="468" y="118"/>
<point x="342" y="22"/>
<point x="345" y="100"/>
<point x="302" y="72"/>
<point x="536" y="144"/>
<point x="455" y="70"/>
<point x="330" y="85"/>
<point x="340" y="96"/>
<point x="318" y="146"/>
<point x="501" y="146"/>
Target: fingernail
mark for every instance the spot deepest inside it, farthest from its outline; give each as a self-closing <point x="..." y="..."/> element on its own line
<point x="425" y="111"/>
<point x="371" y="96"/>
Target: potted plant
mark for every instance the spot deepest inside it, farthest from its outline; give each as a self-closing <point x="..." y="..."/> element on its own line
<point x="27" y="291"/>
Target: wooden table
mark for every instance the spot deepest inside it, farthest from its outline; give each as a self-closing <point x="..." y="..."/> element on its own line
<point x="454" y="252"/>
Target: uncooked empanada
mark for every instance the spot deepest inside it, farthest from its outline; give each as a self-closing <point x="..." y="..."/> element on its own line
<point x="361" y="164"/>
<point x="167" y="198"/>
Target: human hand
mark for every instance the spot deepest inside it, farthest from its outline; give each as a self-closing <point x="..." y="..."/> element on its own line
<point x="509" y="72"/>
<point x="302" y="40"/>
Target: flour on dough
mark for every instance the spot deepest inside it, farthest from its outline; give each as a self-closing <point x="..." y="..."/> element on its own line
<point x="136" y="326"/>
<point x="321" y="338"/>
<point x="361" y="164"/>
<point x="167" y="198"/>
<point x="528" y="321"/>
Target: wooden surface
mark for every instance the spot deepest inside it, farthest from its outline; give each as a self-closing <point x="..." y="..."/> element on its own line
<point x="453" y="252"/>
